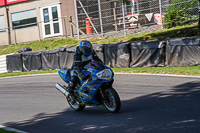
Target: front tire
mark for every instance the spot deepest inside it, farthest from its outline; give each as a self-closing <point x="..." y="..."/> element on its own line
<point x="112" y="100"/>
<point x="75" y="104"/>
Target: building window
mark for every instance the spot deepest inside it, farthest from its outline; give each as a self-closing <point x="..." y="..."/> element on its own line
<point x="2" y="24"/>
<point x="24" y="19"/>
<point x="51" y="20"/>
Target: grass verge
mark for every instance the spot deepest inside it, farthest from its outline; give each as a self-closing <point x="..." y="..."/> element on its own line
<point x="192" y="71"/>
<point x="26" y="73"/>
<point x="5" y="131"/>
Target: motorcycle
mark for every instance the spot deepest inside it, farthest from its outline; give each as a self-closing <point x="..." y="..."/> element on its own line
<point x="96" y="90"/>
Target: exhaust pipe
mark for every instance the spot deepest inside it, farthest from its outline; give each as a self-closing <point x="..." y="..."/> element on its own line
<point x="61" y="89"/>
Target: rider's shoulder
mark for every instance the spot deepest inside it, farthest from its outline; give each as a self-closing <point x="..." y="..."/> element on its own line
<point x="78" y="49"/>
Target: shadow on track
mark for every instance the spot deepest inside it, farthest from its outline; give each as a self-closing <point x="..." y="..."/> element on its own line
<point x="176" y="110"/>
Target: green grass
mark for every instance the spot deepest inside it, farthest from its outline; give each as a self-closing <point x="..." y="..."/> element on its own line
<point x="40" y="45"/>
<point x="183" y="31"/>
<point x="177" y="32"/>
<point x="4" y="131"/>
<point x="192" y="71"/>
<point x="26" y="73"/>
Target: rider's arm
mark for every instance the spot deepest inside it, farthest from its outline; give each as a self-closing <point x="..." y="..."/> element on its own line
<point x="77" y="63"/>
<point x="95" y="57"/>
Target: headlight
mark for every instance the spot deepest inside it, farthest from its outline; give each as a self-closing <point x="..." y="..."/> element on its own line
<point x="105" y="74"/>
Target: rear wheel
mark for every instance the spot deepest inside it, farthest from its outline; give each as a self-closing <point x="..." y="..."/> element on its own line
<point x="75" y="104"/>
<point x="112" y="100"/>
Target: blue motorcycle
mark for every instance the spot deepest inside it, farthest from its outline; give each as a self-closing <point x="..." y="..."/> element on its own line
<point x="96" y="90"/>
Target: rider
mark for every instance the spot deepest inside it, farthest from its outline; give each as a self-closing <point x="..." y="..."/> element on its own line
<point x="83" y="55"/>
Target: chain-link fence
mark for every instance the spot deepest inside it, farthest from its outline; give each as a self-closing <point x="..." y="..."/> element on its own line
<point x="105" y="16"/>
<point x="109" y="18"/>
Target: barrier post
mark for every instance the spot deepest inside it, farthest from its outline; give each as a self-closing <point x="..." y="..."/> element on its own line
<point x="124" y="19"/>
<point x="115" y="18"/>
<point x="199" y="15"/>
<point x="71" y="27"/>
<point x="76" y="14"/>
<point x="160" y="5"/>
<point x="8" y="22"/>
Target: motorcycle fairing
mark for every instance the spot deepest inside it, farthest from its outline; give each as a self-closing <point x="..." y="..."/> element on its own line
<point x="88" y="91"/>
<point x="65" y="74"/>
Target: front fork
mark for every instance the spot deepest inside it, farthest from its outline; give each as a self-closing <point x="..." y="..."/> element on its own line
<point x="103" y="95"/>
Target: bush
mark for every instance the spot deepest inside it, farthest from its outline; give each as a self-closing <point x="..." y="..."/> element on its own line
<point x="181" y="12"/>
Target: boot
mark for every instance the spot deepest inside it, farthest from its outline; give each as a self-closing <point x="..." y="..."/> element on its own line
<point x="71" y="93"/>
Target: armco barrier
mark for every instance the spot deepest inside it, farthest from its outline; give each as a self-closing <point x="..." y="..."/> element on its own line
<point x="117" y="54"/>
<point x="183" y="52"/>
<point x="3" y="67"/>
<point x="147" y="53"/>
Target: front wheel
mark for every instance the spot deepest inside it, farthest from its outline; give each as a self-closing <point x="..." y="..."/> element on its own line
<point x="112" y="100"/>
<point x="75" y="104"/>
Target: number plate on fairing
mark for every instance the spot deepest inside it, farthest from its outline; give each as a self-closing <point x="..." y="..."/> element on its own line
<point x="105" y="74"/>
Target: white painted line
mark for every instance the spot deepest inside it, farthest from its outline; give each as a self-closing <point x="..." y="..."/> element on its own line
<point x="11" y="129"/>
<point x="168" y="75"/>
<point x="28" y="75"/>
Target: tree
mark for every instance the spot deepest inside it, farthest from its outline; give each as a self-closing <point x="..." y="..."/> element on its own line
<point x="180" y="13"/>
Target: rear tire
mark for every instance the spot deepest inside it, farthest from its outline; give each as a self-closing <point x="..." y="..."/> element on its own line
<point x="112" y="100"/>
<point x="75" y="104"/>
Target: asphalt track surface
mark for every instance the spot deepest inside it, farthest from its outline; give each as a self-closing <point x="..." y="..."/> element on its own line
<point x="150" y="104"/>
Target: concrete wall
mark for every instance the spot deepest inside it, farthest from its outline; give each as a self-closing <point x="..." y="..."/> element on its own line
<point x="3" y="38"/>
<point x="3" y="35"/>
<point x="67" y="10"/>
<point x="33" y="33"/>
<point x="26" y="34"/>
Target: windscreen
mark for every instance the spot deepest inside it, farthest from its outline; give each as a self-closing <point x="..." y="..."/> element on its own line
<point x="94" y="65"/>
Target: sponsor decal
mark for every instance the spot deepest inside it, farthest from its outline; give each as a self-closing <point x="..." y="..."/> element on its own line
<point x="157" y="18"/>
<point x="2" y="3"/>
<point x="14" y="1"/>
<point x="8" y="2"/>
<point x="64" y="72"/>
<point x="124" y="56"/>
<point x="105" y="74"/>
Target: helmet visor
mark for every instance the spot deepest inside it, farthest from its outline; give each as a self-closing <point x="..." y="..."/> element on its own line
<point x="88" y="50"/>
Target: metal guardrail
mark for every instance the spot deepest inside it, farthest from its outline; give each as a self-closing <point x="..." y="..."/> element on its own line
<point x="3" y="63"/>
<point x="3" y="66"/>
